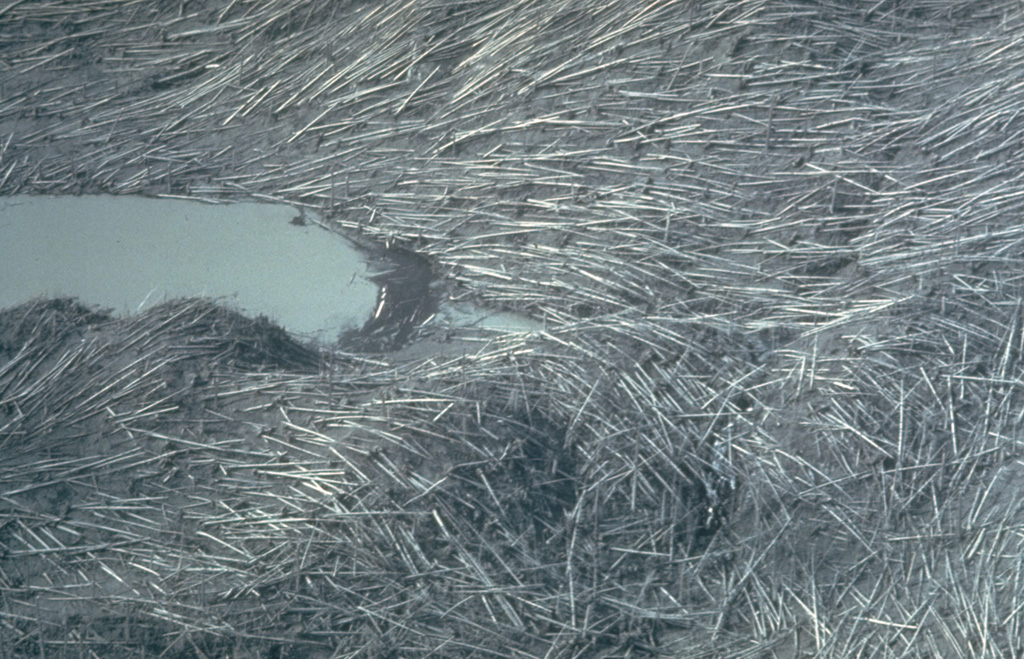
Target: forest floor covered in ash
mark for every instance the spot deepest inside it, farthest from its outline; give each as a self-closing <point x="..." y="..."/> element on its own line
<point x="773" y="409"/>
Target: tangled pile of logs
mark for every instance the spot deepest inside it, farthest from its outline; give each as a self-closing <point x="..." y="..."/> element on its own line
<point x="774" y="410"/>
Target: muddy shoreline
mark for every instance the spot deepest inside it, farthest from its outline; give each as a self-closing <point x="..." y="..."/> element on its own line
<point x="407" y="298"/>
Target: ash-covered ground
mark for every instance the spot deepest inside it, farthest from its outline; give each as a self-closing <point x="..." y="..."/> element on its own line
<point x="775" y="409"/>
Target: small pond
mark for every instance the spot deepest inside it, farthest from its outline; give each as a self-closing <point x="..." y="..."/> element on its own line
<point x="127" y="253"/>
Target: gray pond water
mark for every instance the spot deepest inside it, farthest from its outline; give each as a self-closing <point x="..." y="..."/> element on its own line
<point x="128" y="253"/>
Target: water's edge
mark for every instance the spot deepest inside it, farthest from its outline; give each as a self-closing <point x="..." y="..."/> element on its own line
<point x="130" y="253"/>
